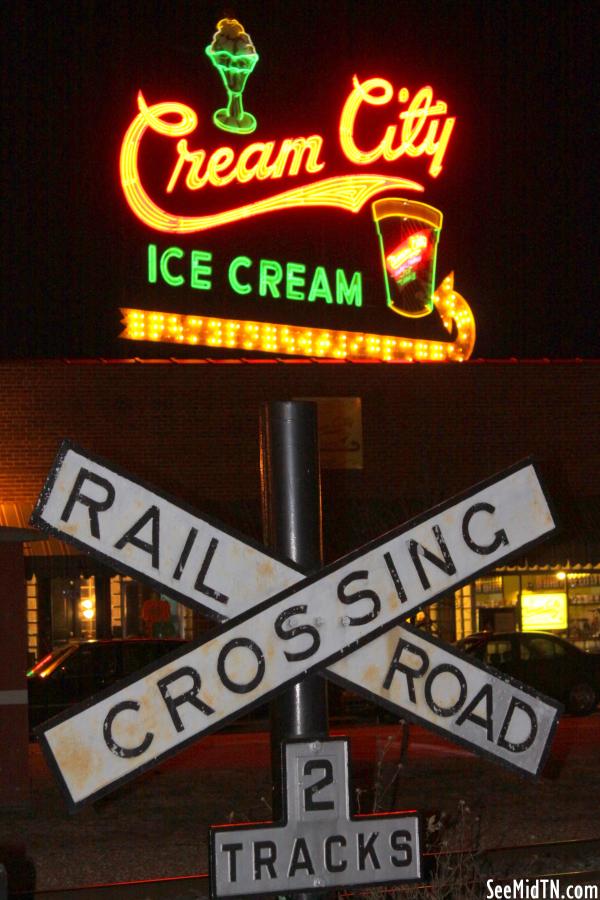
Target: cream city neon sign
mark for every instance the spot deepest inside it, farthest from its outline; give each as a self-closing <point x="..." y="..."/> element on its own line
<point x="425" y="131"/>
<point x="419" y="127"/>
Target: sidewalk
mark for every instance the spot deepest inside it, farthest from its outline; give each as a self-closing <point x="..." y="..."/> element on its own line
<point x="157" y="826"/>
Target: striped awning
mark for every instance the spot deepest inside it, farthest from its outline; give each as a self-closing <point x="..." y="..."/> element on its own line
<point x="14" y="526"/>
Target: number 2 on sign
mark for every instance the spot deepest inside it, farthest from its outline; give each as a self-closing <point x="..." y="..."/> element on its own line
<point x="315" y="765"/>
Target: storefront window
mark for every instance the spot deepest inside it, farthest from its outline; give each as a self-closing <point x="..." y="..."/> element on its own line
<point x="464" y="612"/>
<point x="116" y="605"/>
<point x="138" y="611"/>
<point x="73" y="605"/>
<point x="562" y="601"/>
<point x="583" y="591"/>
<point x="86" y="609"/>
<point x="496" y="603"/>
<point x="33" y="631"/>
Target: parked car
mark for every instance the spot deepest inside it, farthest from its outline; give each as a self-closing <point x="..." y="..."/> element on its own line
<point x="77" y="670"/>
<point x="545" y="662"/>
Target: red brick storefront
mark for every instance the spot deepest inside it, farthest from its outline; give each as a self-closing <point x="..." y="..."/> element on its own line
<point x="191" y="428"/>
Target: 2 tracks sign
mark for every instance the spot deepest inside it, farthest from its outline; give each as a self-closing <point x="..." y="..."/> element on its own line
<point x="342" y="621"/>
<point x="319" y="841"/>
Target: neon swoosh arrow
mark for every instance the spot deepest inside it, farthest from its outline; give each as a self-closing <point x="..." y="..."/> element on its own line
<point x="349" y="192"/>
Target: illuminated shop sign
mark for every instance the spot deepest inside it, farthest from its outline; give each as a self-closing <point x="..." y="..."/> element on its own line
<point x="544" y="612"/>
<point x="214" y="275"/>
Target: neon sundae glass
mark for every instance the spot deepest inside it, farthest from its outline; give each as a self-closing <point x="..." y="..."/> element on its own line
<point x="233" y="55"/>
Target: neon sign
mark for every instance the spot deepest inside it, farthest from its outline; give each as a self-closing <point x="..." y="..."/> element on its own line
<point x="400" y="263"/>
<point x="379" y="92"/>
<point x="544" y="612"/>
<point x="408" y="237"/>
<point x="233" y="55"/>
<point x="295" y="340"/>
<point x="264" y="277"/>
<point x="271" y="160"/>
<point x="379" y="125"/>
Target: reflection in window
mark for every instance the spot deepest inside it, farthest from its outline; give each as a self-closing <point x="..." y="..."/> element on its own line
<point x="543" y="648"/>
<point x="498" y="652"/>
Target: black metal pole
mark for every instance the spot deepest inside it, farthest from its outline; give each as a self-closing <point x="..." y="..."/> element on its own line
<point x="291" y="505"/>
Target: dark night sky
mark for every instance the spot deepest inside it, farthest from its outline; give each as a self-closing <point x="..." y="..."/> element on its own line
<point x="518" y="190"/>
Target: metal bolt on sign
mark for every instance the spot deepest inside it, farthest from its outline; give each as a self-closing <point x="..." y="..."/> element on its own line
<point x="130" y="727"/>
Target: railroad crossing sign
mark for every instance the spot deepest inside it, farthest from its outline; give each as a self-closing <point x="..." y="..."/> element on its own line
<point x="147" y="535"/>
<point x="306" y="625"/>
<point x="319" y="844"/>
<point x="418" y="677"/>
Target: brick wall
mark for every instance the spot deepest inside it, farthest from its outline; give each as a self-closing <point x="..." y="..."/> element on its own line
<point x="192" y="428"/>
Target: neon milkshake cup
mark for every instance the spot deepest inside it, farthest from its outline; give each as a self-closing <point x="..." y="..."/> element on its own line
<point x="408" y="238"/>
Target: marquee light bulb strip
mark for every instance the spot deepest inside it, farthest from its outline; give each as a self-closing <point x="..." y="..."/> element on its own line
<point x="293" y="340"/>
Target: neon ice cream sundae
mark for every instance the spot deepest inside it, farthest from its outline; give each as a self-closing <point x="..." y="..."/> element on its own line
<point x="233" y="54"/>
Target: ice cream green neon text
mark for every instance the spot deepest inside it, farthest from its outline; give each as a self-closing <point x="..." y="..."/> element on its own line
<point x="267" y="278"/>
